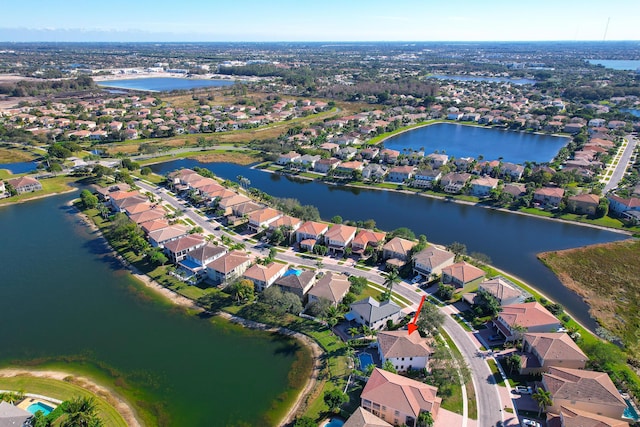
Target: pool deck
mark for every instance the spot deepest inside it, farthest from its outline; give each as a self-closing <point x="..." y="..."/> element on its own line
<point x="28" y="401"/>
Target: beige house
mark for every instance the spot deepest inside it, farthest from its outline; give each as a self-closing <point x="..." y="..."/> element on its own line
<point x="431" y="261"/>
<point x="573" y="417"/>
<point x="588" y="391"/>
<point x="309" y="233"/>
<point x="228" y="267"/>
<point x="366" y="238"/>
<point x="363" y="418"/>
<point x="397" y="250"/>
<point x="159" y="238"/>
<point x="543" y="350"/>
<point x="338" y="237"/>
<point x="461" y="274"/>
<point x="262" y="218"/>
<point x="397" y="399"/>
<point x="505" y="291"/>
<point x="264" y="276"/>
<point x="585" y="204"/>
<point x="405" y="351"/>
<point x="531" y="316"/>
<point x="25" y="184"/>
<point x="332" y="287"/>
<point x="178" y="249"/>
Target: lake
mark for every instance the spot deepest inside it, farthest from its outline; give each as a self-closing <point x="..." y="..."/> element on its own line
<point x="19" y="167"/>
<point x="483" y="79"/>
<point x="66" y="303"/>
<point x="511" y="241"/>
<point x="472" y="141"/>
<point x="617" y="64"/>
<point x="164" y="84"/>
<point x="631" y="111"/>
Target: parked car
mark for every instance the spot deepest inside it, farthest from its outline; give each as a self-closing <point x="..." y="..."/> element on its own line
<point x="531" y="423"/>
<point x="520" y="389"/>
<point x="496" y="337"/>
<point x="416" y="279"/>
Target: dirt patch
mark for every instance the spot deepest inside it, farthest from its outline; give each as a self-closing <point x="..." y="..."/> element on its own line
<point x="228" y="157"/>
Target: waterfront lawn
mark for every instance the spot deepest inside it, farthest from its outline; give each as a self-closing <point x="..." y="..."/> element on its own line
<point x="63" y="390"/>
<point x="15" y="155"/>
<point x="58" y="184"/>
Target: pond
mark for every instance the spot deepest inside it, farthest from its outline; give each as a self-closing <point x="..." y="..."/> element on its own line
<point x="163" y="84"/>
<point x="617" y="64"/>
<point x="19" y="167"/>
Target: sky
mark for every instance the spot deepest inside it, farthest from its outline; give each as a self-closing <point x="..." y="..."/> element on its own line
<point x="320" y="20"/>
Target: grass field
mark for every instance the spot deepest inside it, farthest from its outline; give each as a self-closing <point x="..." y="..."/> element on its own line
<point x="55" y="185"/>
<point x="608" y="277"/>
<point x="62" y="390"/>
<point x="14" y="156"/>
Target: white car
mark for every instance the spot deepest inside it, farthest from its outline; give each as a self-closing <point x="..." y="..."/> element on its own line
<point x="520" y="389"/>
<point x="416" y="279"/>
<point x="531" y="423"/>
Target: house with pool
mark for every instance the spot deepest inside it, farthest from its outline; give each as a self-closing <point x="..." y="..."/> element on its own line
<point x="298" y="282"/>
<point x="264" y="276"/>
<point x="228" y="267"/>
<point x="405" y="351"/>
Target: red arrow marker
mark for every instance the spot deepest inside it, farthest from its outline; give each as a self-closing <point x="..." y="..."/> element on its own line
<point x="412" y="325"/>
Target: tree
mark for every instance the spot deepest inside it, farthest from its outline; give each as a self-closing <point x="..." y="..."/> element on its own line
<point x="458" y="249"/>
<point x="543" y="398"/>
<point x="357" y="284"/>
<point x="80" y="412"/>
<point x="319" y="307"/>
<point x="430" y="319"/>
<point x="513" y="361"/>
<point x="403" y="232"/>
<point x="337" y="219"/>
<point x="242" y="290"/>
<point x="335" y="399"/>
<point x="281" y="302"/>
<point x="89" y="201"/>
<point x="305" y="422"/>
<point x="276" y="237"/>
<point x="353" y="331"/>
<point x="446" y="291"/>
<point x="158" y="257"/>
<point x="425" y="419"/>
<point x="145" y="171"/>
<point x="388" y="366"/>
<point x="391" y="279"/>
<point x="11" y="397"/>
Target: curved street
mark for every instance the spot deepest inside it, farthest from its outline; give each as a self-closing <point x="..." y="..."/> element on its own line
<point x="490" y="401"/>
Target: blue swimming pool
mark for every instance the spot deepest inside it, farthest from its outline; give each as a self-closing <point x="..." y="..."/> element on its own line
<point x="333" y="422"/>
<point x="39" y="406"/>
<point x="630" y="412"/>
<point x="365" y="360"/>
<point x="291" y="271"/>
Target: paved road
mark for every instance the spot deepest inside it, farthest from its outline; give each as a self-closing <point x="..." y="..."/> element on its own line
<point x="621" y="168"/>
<point x="487" y="396"/>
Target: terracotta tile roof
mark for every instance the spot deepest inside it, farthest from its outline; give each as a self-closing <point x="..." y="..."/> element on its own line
<point x="120" y="195"/>
<point x="363" y="418"/>
<point x="154" y="224"/>
<point x="23" y="181"/>
<point x="586" y="198"/>
<point x="368" y="237"/>
<point x="403" y="394"/>
<point x="574" y="417"/>
<point x="529" y="314"/>
<point x="463" y="271"/>
<point x="167" y="233"/>
<point x="130" y="201"/>
<point x="265" y="273"/>
<point x="433" y="257"/>
<point x="142" y="217"/>
<point x="340" y="232"/>
<point x="332" y="286"/>
<point x="582" y="386"/>
<point x="286" y="220"/>
<point x="184" y="243"/>
<point x="549" y="192"/>
<point x="229" y="262"/>
<point x="313" y="228"/>
<point x="258" y="217"/>
<point x="139" y="207"/>
<point x="399" y="245"/>
<point x="395" y="344"/>
<point x="553" y="346"/>
<point x="236" y="199"/>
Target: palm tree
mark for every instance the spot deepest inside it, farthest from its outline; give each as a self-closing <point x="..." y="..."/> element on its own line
<point x="80" y="412"/>
<point x="425" y="419"/>
<point x="543" y="398"/>
<point x="518" y="332"/>
<point x="353" y="331"/>
<point x="391" y="279"/>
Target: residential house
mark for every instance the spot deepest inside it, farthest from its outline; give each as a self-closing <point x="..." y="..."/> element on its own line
<point x="549" y="196"/>
<point x="572" y="417"/>
<point x="364" y="418"/>
<point x="405" y="351"/>
<point x="228" y="267"/>
<point x="425" y="178"/>
<point x="400" y="173"/>
<point x="503" y="290"/>
<point x="366" y="238"/>
<point x="531" y="316"/>
<point x="154" y="224"/>
<point x="461" y="274"/>
<point x="309" y="233"/>
<point x="227" y="204"/>
<point x="331" y="287"/>
<point x="546" y="349"/>
<point x="25" y="184"/>
<point x="307" y="161"/>
<point x="389" y="156"/>
<point x="516" y="190"/>
<point x="137" y="208"/>
<point x="261" y="219"/>
<point x="454" y="182"/>
<point x="123" y="205"/>
<point x="437" y="160"/>
<point x="511" y="170"/>
<point x="397" y="250"/>
<point x="178" y="249"/>
<point x="264" y="276"/>
<point x="583" y="204"/>
<point x="373" y="313"/>
<point x="588" y="391"/>
<point x="431" y="260"/>
<point x="325" y="165"/>
<point x="346" y="153"/>
<point x="397" y="399"/>
<point x="149" y="215"/>
<point x="338" y="237"/>
<point x="287" y="224"/>
<point x="374" y="171"/>
<point x="12" y="416"/>
<point x="197" y="259"/>
<point x="347" y="168"/>
<point x="299" y="283"/>
<point x="620" y="205"/>
<point x="288" y="158"/>
<point x="2" y="189"/>
<point x="116" y="197"/>
<point x="159" y="238"/>
<point x="482" y="186"/>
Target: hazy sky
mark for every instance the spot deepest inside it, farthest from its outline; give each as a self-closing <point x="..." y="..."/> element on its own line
<point x="320" y="20"/>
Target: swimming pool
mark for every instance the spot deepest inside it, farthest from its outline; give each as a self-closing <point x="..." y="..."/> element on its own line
<point x="630" y="412"/>
<point x="365" y="361"/>
<point x="291" y="271"/>
<point x="39" y="406"/>
<point x="333" y="422"/>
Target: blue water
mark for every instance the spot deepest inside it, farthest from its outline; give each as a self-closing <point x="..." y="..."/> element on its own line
<point x="473" y="141"/>
<point x="365" y="360"/>
<point x="162" y="84"/>
<point x="20" y="167"/>
<point x="616" y="64"/>
<point x="334" y="422"/>
<point x="292" y="271"/>
<point x="631" y="111"/>
<point x="39" y="406"/>
<point x="630" y="412"/>
<point x="483" y="79"/>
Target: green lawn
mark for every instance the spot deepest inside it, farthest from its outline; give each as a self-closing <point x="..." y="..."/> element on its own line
<point x="62" y="390"/>
<point x="55" y="185"/>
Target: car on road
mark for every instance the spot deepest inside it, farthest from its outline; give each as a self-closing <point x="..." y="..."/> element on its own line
<point x="528" y="422"/>
<point x="496" y="337"/>
<point x="520" y="389"/>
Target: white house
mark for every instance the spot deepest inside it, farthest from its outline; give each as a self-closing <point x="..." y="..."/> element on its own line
<point x="373" y="313"/>
<point x="405" y="351"/>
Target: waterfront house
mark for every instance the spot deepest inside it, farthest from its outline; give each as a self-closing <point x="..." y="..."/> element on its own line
<point x="389" y="156"/>
<point x="531" y="316"/>
<point x="549" y="196"/>
<point x="158" y="238"/>
<point x="400" y="173"/>
<point x="261" y="219"/>
<point x="482" y="186"/>
<point x="196" y="260"/>
<point x="299" y="282"/>
<point x="156" y="212"/>
<point x="240" y="213"/>
<point x="117" y="197"/>
<point x="122" y="205"/>
<point x="397" y="399"/>
<point x="306" y="161"/>
<point x="325" y="165"/>
<point x="227" y="204"/>
<point x="454" y="182"/>
<point x="511" y="170"/>
<point x="405" y="351"/>
<point x="12" y="416"/>
<point x="287" y="224"/>
<point x="347" y="168"/>
<point x="570" y="417"/>
<point x="621" y="205"/>
<point x="374" y="171"/>
<point x="366" y="238"/>
<point x="228" y="267"/>
<point x="543" y="350"/>
<point x="588" y="391"/>
<point x="516" y="190"/>
<point x="331" y="287"/>
<point x="264" y="276"/>
<point x="131" y="208"/>
<point x="397" y="251"/>
<point x="425" y="178"/>
<point x="25" y="184"/>
<point x="373" y="313"/>
<point x="583" y="204"/>
<point x="503" y="290"/>
<point x="346" y="153"/>
<point x="178" y="249"/>
<point x="288" y="158"/>
<point x="2" y="189"/>
<point x="461" y="274"/>
<point x="364" y="418"/>
<point x="338" y="237"/>
<point x="154" y="224"/>
<point x="431" y="260"/>
<point x="309" y="233"/>
<point x="437" y="160"/>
